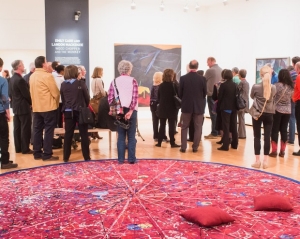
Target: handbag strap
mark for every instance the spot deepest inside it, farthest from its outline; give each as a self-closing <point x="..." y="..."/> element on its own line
<point x="263" y="108"/>
<point x="80" y="95"/>
<point x="118" y="95"/>
<point x="281" y="95"/>
<point x="174" y="90"/>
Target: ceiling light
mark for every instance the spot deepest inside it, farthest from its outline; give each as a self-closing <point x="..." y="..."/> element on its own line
<point x="133" y="4"/>
<point x="225" y="2"/>
<point x="197" y="7"/>
<point x="162" y="6"/>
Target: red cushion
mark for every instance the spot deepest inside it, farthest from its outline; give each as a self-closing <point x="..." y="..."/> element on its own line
<point x="271" y="202"/>
<point x="207" y="216"/>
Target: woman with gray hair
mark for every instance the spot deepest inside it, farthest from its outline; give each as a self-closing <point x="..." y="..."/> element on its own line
<point x="126" y="89"/>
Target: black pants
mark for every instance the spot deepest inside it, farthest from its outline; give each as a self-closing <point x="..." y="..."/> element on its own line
<point x="162" y="130"/>
<point x="4" y="140"/>
<point x="229" y="124"/>
<point x="43" y="121"/>
<point x="155" y="123"/>
<point x="297" y="115"/>
<point x="267" y="120"/>
<point x="191" y="130"/>
<point x="59" y="116"/>
<point x="71" y="118"/>
<point x="280" y="124"/>
<point x="22" y="132"/>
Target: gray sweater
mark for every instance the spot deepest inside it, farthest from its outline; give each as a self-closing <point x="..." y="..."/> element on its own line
<point x="244" y="90"/>
<point x="258" y="96"/>
<point x="213" y="76"/>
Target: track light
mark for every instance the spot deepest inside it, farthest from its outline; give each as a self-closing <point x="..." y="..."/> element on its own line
<point x="225" y="2"/>
<point x="77" y="15"/>
<point x="197" y="7"/>
<point x="186" y="8"/>
<point x="133" y="6"/>
<point x="162" y="6"/>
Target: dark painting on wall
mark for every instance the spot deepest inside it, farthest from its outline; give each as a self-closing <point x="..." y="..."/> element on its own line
<point x="277" y="65"/>
<point x="146" y="60"/>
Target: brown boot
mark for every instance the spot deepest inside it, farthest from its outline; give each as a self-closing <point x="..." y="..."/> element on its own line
<point x="274" y="149"/>
<point x="282" y="148"/>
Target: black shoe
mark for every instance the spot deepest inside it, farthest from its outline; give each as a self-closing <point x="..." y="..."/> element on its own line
<point x="52" y="158"/>
<point x="234" y="147"/>
<point x="242" y="137"/>
<point x="175" y="146"/>
<point x="29" y="152"/>
<point x="223" y="149"/>
<point x="9" y="165"/>
<point x="219" y="142"/>
<point x="296" y="153"/>
<point x="195" y="150"/>
<point x="190" y="140"/>
<point x="132" y="162"/>
<point x="182" y="150"/>
<point x="87" y="160"/>
<point x="158" y="145"/>
<point x="66" y="160"/>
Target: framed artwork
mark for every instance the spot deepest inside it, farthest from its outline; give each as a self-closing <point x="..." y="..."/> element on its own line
<point x="146" y="60"/>
<point x="277" y="65"/>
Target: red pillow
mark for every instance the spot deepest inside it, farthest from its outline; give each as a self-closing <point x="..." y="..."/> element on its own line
<point x="271" y="202"/>
<point x="207" y="216"/>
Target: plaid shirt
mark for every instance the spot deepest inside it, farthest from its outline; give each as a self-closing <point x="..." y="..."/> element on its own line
<point x="135" y="94"/>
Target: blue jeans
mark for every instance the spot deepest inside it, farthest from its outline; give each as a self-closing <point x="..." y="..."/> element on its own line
<point x="213" y="116"/>
<point x="121" y="144"/>
<point x="292" y="124"/>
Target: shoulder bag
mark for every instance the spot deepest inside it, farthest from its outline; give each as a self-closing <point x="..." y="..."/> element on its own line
<point x="95" y="101"/>
<point x="254" y="112"/>
<point x="115" y="107"/>
<point x="240" y="102"/>
<point x="85" y="114"/>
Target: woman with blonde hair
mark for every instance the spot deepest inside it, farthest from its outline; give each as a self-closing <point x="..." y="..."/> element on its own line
<point x="157" y="80"/>
<point x="97" y="84"/>
<point x="262" y="95"/>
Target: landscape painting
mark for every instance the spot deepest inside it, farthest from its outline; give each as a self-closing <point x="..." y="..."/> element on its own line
<point x="146" y="60"/>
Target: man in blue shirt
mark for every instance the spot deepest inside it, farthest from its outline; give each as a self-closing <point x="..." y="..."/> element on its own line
<point x="4" y="117"/>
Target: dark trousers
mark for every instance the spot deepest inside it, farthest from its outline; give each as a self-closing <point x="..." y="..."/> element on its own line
<point x="267" y="120"/>
<point x="297" y="115"/>
<point x="280" y="124"/>
<point x="229" y="124"/>
<point x="43" y="121"/>
<point x="162" y="129"/>
<point x="155" y="123"/>
<point x="71" y="118"/>
<point x="191" y="129"/>
<point x="22" y="132"/>
<point x="59" y="116"/>
<point x="213" y="116"/>
<point x="4" y="140"/>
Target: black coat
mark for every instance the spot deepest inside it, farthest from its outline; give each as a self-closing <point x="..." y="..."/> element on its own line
<point x="192" y="91"/>
<point x="20" y="95"/>
<point x="167" y="108"/>
<point x="227" y="96"/>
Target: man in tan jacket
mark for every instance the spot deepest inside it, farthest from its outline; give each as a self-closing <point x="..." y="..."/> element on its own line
<point x="45" y="99"/>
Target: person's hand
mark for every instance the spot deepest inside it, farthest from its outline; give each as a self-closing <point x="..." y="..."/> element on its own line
<point x="7" y="115"/>
<point x="128" y="115"/>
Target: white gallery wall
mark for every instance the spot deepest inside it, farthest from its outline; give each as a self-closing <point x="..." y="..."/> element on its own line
<point x="236" y="34"/>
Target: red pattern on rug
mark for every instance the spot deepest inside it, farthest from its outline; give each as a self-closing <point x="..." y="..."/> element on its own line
<point x="101" y="199"/>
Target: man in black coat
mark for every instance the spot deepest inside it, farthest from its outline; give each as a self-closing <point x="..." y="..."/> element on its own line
<point x="192" y="91"/>
<point x="21" y="99"/>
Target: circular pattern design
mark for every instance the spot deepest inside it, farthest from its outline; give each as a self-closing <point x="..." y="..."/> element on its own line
<point x="102" y="199"/>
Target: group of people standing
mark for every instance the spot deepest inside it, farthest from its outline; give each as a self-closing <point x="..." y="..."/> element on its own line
<point x="273" y="107"/>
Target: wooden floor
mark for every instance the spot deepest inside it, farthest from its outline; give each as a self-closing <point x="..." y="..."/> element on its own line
<point x="243" y="156"/>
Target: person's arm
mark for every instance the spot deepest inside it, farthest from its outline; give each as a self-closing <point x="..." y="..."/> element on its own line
<point x="221" y="93"/>
<point x="23" y="87"/>
<point x="86" y="95"/>
<point x="50" y="81"/>
<point x="111" y="93"/>
<point x="5" y="99"/>
<point x="252" y="92"/>
<point x="100" y="85"/>
<point x="134" y="101"/>
<point x="204" y="88"/>
<point x="215" y="93"/>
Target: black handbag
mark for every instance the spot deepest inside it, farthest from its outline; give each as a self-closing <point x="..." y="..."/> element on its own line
<point x="177" y="100"/>
<point x="240" y="102"/>
<point x="85" y="114"/>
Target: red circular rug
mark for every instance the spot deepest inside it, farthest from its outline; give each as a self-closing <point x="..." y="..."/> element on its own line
<point x="102" y="199"/>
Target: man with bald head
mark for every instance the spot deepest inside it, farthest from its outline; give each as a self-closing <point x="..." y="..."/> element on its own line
<point x="192" y="91"/>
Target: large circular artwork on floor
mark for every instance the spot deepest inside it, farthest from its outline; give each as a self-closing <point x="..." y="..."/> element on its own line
<point x="102" y="199"/>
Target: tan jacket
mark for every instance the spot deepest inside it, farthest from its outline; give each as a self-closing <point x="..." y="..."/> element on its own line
<point x="44" y="92"/>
